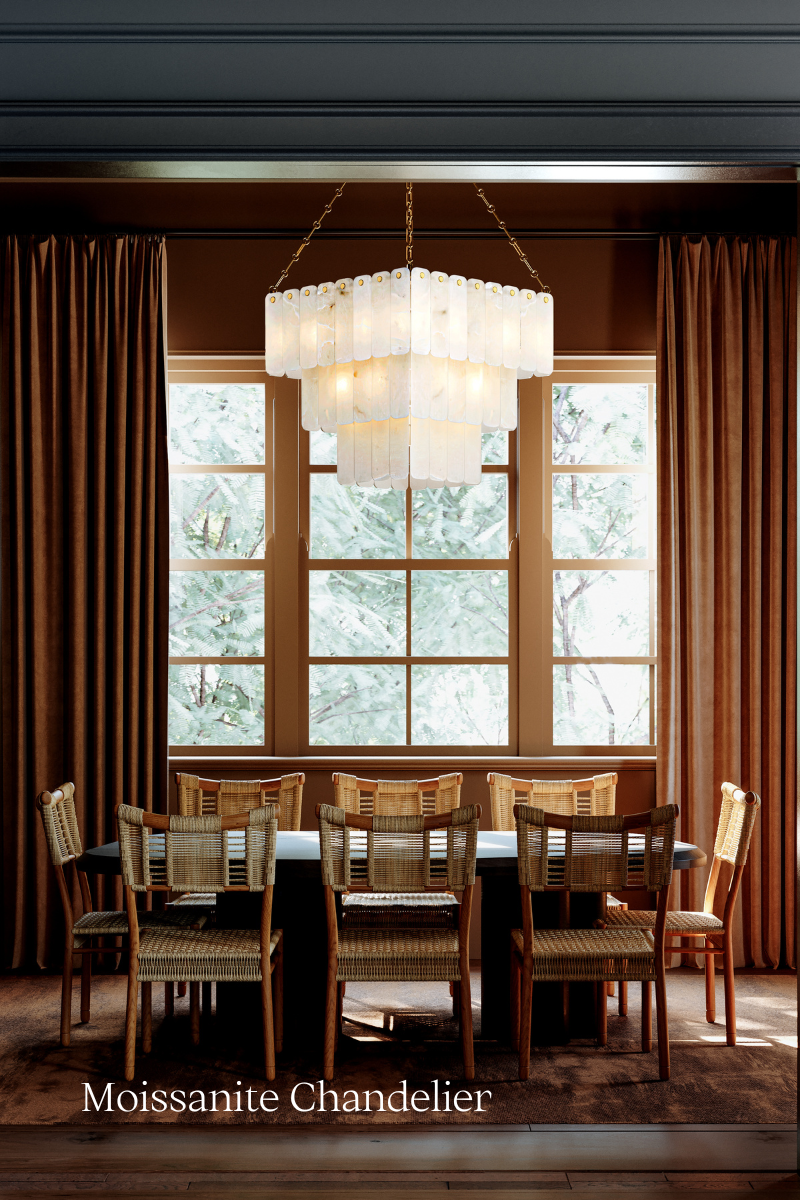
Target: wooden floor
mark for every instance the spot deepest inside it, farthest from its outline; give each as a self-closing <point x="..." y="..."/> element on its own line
<point x="140" y="1163"/>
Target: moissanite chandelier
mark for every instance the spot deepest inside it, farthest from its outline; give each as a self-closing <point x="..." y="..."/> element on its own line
<point x="409" y="367"/>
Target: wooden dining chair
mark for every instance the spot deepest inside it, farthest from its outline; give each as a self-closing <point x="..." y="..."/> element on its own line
<point x="395" y="858"/>
<point x="83" y="932"/>
<point x="221" y="797"/>
<point x="201" y="854"/>
<point x="593" y="797"/>
<point x="591" y="854"/>
<point x="397" y="797"/>
<point x="737" y="818"/>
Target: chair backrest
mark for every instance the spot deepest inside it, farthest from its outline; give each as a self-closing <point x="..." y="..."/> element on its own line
<point x="735" y="828"/>
<point x="221" y="797"/>
<point x="595" y="797"/>
<point x="397" y="797"/>
<point x="398" y="854"/>
<point x="198" y="854"/>
<point x="57" y="810"/>
<point x="594" y="854"/>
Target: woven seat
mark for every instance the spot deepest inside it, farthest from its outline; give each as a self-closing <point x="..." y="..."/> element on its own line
<point x="737" y="817"/>
<point x="194" y="900"/>
<point x="590" y="854"/>
<point x="112" y="924"/>
<point x="396" y="876"/>
<point x="200" y="856"/>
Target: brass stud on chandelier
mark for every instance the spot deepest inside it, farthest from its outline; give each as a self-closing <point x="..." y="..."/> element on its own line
<point x="409" y="367"/>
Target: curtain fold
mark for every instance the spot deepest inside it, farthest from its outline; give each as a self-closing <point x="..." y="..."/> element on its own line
<point x="727" y="519"/>
<point x="84" y="553"/>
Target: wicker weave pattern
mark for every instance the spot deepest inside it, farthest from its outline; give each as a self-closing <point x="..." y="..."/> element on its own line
<point x="195" y="854"/>
<point x="115" y="924"/>
<point x="593" y="857"/>
<point x="423" y="910"/>
<point x="590" y="954"/>
<point x="222" y="955"/>
<point x="60" y="823"/>
<point x="196" y="900"/>
<point x="239" y="795"/>
<point x="398" y="954"/>
<point x="595" y="797"/>
<point x="397" y="797"/>
<point x="677" y="922"/>
<point x="735" y="828"/>
<point x="398" y="854"/>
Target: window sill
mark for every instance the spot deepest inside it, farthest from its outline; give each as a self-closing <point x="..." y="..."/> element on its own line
<point x="267" y="765"/>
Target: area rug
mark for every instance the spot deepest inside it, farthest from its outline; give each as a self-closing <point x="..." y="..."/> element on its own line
<point x="399" y="1046"/>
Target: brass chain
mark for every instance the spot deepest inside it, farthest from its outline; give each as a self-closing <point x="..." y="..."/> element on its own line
<point x="515" y="244"/>
<point x="307" y="239"/>
<point x="409" y="226"/>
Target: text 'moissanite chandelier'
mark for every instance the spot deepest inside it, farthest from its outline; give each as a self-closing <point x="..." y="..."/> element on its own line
<point x="409" y="367"/>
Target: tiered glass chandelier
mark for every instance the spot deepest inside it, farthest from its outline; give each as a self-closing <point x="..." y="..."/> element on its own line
<point x="409" y="367"/>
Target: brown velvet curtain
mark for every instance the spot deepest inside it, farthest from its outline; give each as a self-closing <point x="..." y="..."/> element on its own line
<point x="83" y="553"/>
<point x="727" y="561"/>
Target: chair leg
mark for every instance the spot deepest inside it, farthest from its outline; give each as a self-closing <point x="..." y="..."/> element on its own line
<point x="268" y="1023"/>
<point x="194" y="1012"/>
<point x="86" y="988"/>
<point x="610" y="988"/>
<point x="66" y="997"/>
<point x="730" y="995"/>
<point x="711" y="999"/>
<point x="205" y="992"/>
<point x="331" y="1002"/>
<point x="130" y="1026"/>
<point x="455" y="990"/>
<point x="147" y="1018"/>
<point x="277" y="997"/>
<point x="623" y="997"/>
<point x="647" y="1018"/>
<point x="662" y="1025"/>
<point x="601" y="1000"/>
<point x="169" y="999"/>
<point x="339" y="1002"/>
<point x="181" y="989"/>
<point x="515" y="986"/>
<point x="465" y="1014"/>
<point x="526" y="999"/>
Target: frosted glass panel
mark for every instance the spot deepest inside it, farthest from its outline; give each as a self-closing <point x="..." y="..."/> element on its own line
<point x="600" y="516"/>
<point x="459" y="705"/>
<point x="601" y="613"/>
<point x="467" y="522"/>
<point x="216" y="613"/>
<point x="357" y="612"/>
<point x="601" y="704"/>
<point x="357" y="705"/>
<point x="216" y="516"/>
<point x="356" y="522"/>
<point x="216" y="705"/>
<point x="599" y="423"/>
<point x="459" y="612"/>
<point x="216" y="424"/>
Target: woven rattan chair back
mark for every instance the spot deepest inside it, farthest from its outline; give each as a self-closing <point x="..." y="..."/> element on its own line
<point x="594" y="854"/>
<point x="595" y="797"/>
<point x="221" y="797"/>
<point x="397" y="797"/>
<point x="398" y="854"/>
<point x="737" y="818"/>
<point x="57" y="810"/>
<point x="198" y="854"/>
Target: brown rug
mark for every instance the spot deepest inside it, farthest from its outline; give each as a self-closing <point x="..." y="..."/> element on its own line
<point x="403" y="1033"/>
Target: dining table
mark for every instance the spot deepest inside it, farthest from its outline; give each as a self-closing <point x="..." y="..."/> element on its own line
<point x="298" y="910"/>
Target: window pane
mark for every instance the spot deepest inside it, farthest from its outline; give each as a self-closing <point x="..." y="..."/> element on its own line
<point x="357" y="706"/>
<point x="600" y="704"/>
<point x="357" y="612"/>
<point x="466" y="522"/>
<point x="601" y="612"/>
<point x="599" y="423"/>
<point x="216" y="706"/>
<point x="495" y="446"/>
<point x="322" y="448"/>
<point x="459" y="612"/>
<point x="356" y="522"/>
<point x="216" y="424"/>
<point x="216" y="613"/>
<point x="217" y="516"/>
<point x="600" y="516"/>
<point x="459" y="705"/>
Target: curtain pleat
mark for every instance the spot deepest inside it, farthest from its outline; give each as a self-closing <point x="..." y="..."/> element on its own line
<point x="84" y="553"/>
<point x="727" y="518"/>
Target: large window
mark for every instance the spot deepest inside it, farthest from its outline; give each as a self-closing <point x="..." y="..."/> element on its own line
<point x="517" y="617"/>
